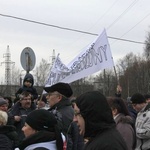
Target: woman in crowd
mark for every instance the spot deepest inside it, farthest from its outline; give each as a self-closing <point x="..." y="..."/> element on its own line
<point x="8" y="134"/>
<point x="124" y="121"/>
<point x="41" y="131"/>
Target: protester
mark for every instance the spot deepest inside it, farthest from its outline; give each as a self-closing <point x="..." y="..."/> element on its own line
<point x="58" y="99"/>
<point x="147" y="97"/>
<point x="28" y="83"/>
<point x="20" y="110"/>
<point x="142" y="124"/>
<point x="94" y="118"/>
<point x="124" y="122"/>
<point x="4" y="107"/>
<point x="41" y="130"/>
<point x="9" y="101"/>
<point x="3" y="104"/>
<point x="8" y="135"/>
<point x="42" y="102"/>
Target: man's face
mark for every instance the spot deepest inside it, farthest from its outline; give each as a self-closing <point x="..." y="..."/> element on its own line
<point x="79" y="119"/>
<point x="138" y="107"/>
<point x="4" y="107"/>
<point x="28" y="131"/>
<point x="26" y="102"/>
<point x="53" y="98"/>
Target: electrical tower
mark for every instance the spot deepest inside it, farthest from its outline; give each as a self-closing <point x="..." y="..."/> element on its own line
<point x="8" y="63"/>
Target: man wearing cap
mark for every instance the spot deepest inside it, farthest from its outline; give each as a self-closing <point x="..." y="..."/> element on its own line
<point x="58" y="99"/>
<point x="142" y="124"/>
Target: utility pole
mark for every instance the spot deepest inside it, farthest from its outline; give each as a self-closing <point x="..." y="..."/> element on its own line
<point x="8" y="63"/>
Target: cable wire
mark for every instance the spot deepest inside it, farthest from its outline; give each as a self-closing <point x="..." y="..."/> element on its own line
<point x="127" y="9"/>
<point x="69" y="29"/>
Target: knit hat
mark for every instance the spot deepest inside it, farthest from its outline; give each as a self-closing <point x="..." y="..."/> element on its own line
<point x="41" y="119"/>
<point x="62" y="88"/>
<point x="2" y="101"/>
<point x="137" y="98"/>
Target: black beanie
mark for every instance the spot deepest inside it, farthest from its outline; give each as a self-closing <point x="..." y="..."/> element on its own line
<point x="137" y="98"/>
<point x="41" y="119"/>
<point x="62" y="88"/>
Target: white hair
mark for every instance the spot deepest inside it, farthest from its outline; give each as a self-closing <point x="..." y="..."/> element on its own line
<point x="3" y="118"/>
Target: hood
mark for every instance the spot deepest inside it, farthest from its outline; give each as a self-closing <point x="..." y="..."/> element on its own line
<point x="96" y="112"/>
<point x="29" y="76"/>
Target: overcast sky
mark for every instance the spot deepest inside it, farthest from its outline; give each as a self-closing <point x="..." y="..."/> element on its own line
<point x="127" y="19"/>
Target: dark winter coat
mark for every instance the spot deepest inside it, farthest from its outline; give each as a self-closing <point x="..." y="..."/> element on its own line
<point x="17" y="110"/>
<point x="44" y="139"/>
<point x="8" y="137"/>
<point x="74" y="139"/>
<point x="31" y="89"/>
<point x="100" y="127"/>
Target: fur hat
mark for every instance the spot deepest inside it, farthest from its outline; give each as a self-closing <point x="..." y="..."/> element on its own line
<point x="137" y="98"/>
<point x="2" y="101"/>
<point x="62" y="88"/>
<point x="41" y="120"/>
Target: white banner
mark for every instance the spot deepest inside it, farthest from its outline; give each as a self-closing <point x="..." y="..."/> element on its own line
<point x="94" y="58"/>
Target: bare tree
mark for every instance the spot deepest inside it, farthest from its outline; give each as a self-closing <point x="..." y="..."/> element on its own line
<point x="41" y="72"/>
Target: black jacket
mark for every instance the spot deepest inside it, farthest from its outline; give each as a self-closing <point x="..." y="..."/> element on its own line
<point x="100" y="127"/>
<point x="74" y="139"/>
<point x="8" y="137"/>
<point x="37" y="138"/>
<point x="17" y="110"/>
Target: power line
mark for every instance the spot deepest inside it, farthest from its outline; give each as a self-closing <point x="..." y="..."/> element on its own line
<point x="127" y="9"/>
<point x="69" y="29"/>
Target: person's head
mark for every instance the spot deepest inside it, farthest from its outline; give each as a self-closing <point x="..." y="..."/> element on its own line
<point x="3" y="118"/>
<point x="3" y="104"/>
<point x="42" y="120"/>
<point x="9" y="101"/>
<point x="138" y="101"/>
<point x="58" y="91"/>
<point x="28" y="80"/>
<point x="25" y="99"/>
<point x="27" y="83"/>
<point x="147" y="97"/>
<point x="92" y="113"/>
<point x="41" y="102"/>
<point x="117" y="106"/>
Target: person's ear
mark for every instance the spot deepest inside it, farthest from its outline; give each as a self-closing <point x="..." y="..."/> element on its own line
<point x="114" y="112"/>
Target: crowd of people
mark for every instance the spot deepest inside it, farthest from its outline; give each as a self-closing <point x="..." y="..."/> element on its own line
<point x="56" y="120"/>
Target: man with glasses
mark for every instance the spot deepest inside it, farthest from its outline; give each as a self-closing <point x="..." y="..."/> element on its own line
<point x="58" y="98"/>
<point x="94" y="118"/>
<point x="142" y="124"/>
<point x="20" y="110"/>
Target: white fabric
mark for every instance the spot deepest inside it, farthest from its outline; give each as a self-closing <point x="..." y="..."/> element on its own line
<point x="95" y="57"/>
